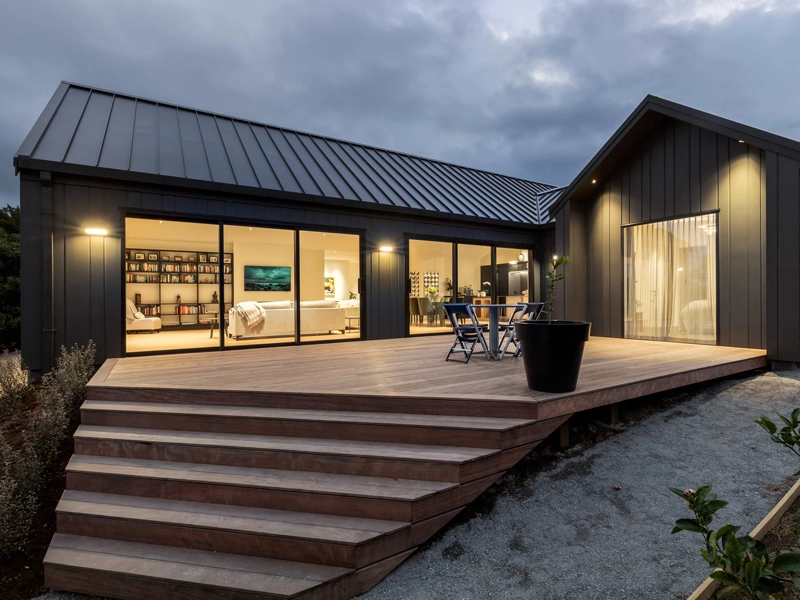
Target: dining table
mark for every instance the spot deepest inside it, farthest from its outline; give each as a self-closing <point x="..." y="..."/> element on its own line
<point x="494" y="327"/>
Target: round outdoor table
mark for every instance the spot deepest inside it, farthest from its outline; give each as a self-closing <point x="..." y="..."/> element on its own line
<point x="494" y="327"/>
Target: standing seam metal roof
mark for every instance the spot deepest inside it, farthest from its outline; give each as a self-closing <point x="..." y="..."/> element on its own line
<point x="98" y="129"/>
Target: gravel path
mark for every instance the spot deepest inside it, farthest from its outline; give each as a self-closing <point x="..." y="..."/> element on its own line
<point x="568" y="532"/>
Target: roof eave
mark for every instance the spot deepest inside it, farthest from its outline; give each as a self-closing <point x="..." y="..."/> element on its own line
<point x="653" y="104"/>
<point x="89" y="171"/>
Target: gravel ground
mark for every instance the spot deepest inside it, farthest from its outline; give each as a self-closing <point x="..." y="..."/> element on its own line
<point x="596" y="522"/>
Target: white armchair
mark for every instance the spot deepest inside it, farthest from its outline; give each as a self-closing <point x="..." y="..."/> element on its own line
<point x="151" y="324"/>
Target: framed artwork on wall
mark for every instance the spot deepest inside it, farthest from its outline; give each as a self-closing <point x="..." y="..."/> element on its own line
<point x="330" y="286"/>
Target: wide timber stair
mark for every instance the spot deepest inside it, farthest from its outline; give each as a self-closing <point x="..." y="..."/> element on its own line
<point x="172" y="494"/>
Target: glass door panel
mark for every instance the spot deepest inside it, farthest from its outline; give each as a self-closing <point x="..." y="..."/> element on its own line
<point x="430" y="266"/>
<point x="330" y="307"/>
<point x="165" y="285"/>
<point x="512" y="276"/>
<point x="475" y="277"/>
<point x="671" y="280"/>
<point x="261" y="288"/>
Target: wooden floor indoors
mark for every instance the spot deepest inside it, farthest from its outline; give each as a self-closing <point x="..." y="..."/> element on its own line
<point x="310" y="472"/>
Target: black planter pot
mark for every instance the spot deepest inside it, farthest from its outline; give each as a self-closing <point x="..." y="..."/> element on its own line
<point x="552" y="353"/>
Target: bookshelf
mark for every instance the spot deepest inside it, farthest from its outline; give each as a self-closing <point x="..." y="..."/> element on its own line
<point x="178" y="285"/>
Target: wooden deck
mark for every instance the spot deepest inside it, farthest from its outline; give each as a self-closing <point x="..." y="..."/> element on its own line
<point x="375" y="374"/>
<point x="310" y="472"/>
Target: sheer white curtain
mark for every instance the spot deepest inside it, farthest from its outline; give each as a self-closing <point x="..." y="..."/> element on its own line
<point x="671" y="280"/>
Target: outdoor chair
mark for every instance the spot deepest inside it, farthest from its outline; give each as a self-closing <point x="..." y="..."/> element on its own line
<point x="533" y="310"/>
<point x="507" y="329"/>
<point x="468" y="334"/>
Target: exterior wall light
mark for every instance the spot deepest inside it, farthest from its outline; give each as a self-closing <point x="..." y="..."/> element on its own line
<point x="594" y="180"/>
<point x="96" y="231"/>
<point x="386" y="248"/>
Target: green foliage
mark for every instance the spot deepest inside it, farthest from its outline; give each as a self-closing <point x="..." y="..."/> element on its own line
<point x="9" y="278"/>
<point x="741" y="563"/>
<point x="14" y="381"/>
<point x="23" y="471"/>
<point x="788" y="435"/>
<point x="553" y="277"/>
<point x="20" y="474"/>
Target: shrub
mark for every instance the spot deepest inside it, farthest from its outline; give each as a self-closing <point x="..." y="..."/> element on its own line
<point x="14" y="381"/>
<point x="23" y="471"/>
<point x="20" y="477"/>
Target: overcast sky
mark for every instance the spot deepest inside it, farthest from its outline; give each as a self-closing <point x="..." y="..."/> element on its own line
<point x="531" y="88"/>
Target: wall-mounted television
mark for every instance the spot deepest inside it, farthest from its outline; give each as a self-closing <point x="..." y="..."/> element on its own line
<point x="267" y="279"/>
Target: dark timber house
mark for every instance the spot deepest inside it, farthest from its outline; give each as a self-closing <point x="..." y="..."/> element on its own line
<point x="683" y="227"/>
<point x="171" y="184"/>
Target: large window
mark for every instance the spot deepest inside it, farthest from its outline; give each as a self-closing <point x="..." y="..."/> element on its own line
<point x="262" y="286"/>
<point x="482" y="274"/>
<point x="671" y="280"/>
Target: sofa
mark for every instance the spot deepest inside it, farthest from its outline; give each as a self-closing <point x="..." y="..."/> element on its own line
<point x="250" y="319"/>
<point x="136" y="321"/>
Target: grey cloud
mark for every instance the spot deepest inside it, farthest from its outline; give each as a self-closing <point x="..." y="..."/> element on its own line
<point x="425" y="78"/>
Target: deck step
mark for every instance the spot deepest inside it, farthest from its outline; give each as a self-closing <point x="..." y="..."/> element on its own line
<point x="474" y="406"/>
<point x="378" y="459"/>
<point x="327" y="493"/>
<point x="131" y="570"/>
<point x="445" y="430"/>
<point x="342" y="541"/>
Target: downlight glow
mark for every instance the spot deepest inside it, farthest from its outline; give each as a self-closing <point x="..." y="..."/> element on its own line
<point x="96" y="231"/>
<point x="386" y="248"/>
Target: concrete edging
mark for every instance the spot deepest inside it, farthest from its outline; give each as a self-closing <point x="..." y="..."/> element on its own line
<point x="709" y="586"/>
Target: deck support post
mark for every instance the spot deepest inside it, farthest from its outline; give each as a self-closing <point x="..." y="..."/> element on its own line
<point x="563" y="434"/>
<point x="614" y="413"/>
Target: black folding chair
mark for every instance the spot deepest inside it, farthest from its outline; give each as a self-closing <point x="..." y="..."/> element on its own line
<point x="468" y="333"/>
<point x="533" y="310"/>
<point x="507" y="329"/>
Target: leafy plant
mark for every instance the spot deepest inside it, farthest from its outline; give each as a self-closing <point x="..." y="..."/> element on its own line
<point x="553" y="277"/>
<point x="741" y="563"/>
<point x="788" y="435"/>
<point x="23" y="470"/>
<point x="14" y="381"/>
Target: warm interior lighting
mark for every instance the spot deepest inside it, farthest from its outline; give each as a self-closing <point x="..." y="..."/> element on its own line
<point x="594" y="180"/>
<point x="386" y="248"/>
<point x="96" y="231"/>
<point x="741" y="141"/>
<point x="521" y="257"/>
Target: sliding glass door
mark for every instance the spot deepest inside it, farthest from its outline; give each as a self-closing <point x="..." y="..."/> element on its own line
<point x="671" y="280"/>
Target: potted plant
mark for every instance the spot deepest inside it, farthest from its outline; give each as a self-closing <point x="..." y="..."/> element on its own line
<point x="552" y="350"/>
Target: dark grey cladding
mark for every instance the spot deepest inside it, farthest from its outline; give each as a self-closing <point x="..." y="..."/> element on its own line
<point x="95" y="132"/>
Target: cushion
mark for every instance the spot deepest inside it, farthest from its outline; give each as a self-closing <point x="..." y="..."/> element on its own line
<point x="318" y="304"/>
<point x="138" y="315"/>
<point x="276" y="305"/>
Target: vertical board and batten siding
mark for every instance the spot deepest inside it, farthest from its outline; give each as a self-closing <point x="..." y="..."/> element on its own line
<point x="681" y="170"/>
<point x="88" y="270"/>
<point x="783" y="268"/>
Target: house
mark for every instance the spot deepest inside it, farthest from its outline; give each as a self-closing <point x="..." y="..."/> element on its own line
<point x="136" y="206"/>
<point x="683" y="228"/>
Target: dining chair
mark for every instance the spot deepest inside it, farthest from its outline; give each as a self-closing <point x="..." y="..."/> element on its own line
<point x="426" y="309"/>
<point x="468" y="334"/>
<point x="413" y="309"/>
